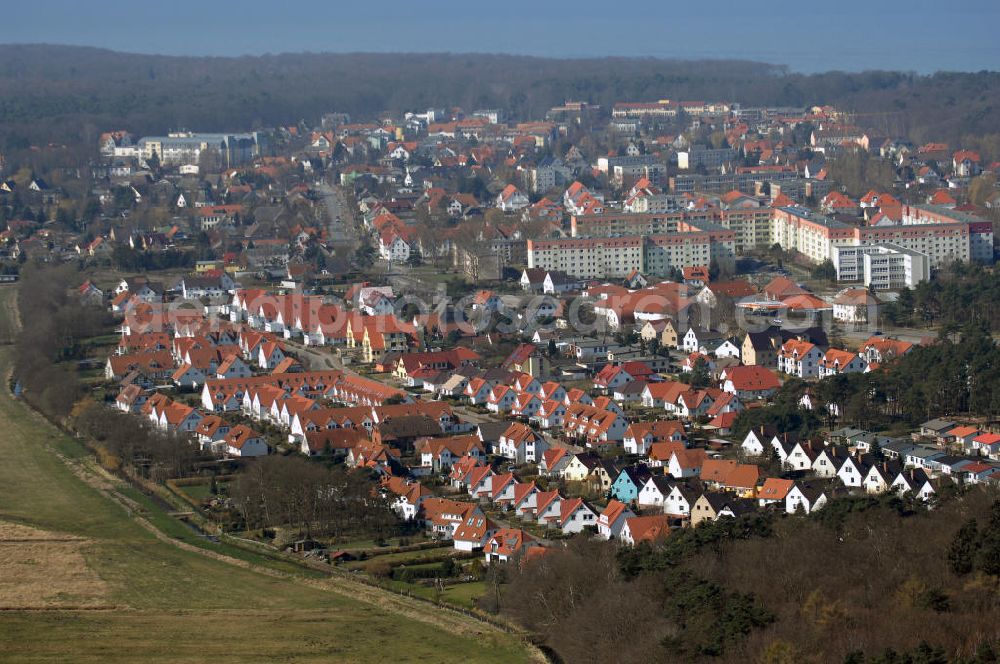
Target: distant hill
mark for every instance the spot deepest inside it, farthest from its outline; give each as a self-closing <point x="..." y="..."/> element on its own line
<point x="70" y="94"/>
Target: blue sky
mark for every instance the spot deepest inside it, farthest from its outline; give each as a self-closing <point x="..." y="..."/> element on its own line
<point x="918" y="35"/>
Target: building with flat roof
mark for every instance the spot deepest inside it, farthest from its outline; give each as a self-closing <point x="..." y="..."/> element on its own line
<point x="885" y="266"/>
<point x="186" y="148"/>
<point x="612" y="244"/>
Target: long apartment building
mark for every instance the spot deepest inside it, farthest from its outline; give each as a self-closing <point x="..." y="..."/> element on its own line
<point x="751" y="227"/>
<point x="614" y="244"/>
<point x="186" y="148"/>
<point x="667" y="108"/>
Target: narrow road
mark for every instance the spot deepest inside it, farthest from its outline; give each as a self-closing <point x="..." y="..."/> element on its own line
<point x="341" y="226"/>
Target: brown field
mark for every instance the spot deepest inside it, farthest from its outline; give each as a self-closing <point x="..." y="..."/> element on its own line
<point x="46" y="570"/>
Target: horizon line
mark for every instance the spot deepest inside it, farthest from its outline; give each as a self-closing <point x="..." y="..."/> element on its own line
<point x="788" y="69"/>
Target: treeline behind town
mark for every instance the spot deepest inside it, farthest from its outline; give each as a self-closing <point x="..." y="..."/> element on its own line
<point x="70" y="95"/>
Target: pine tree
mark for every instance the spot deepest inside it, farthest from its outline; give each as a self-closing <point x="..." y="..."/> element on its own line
<point x="962" y="550"/>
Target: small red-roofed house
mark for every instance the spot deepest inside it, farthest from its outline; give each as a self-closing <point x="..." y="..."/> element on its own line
<point x="881" y="349"/>
<point x="987" y="444"/>
<point x="575" y="515"/>
<point x="641" y="435"/>
<point x="749" y="382"/>
<point x="943" y="198"/>
<point x="799" y="358"/>
<point x="507" y="544"/>
<point x="473" y="533"/>
<point x="650" y="529"/>
<point x="963" y="435"/>
<point x="612" y="519"/>
<point x="774" y="491"/>
<point x="836" y="361"/>
<point x="242" y="441"/>
<point x="554" y="461"/>
<point x="686" y="463"/>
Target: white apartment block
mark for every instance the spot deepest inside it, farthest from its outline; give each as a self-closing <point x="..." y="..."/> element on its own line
<point x="885" y="266"/>
<point x="589" y="258"/>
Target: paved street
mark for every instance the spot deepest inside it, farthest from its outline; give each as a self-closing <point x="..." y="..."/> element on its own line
<point x="341" y="225"/>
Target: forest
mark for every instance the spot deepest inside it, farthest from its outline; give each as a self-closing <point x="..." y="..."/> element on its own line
<point x="864" y="581"/>
<point x="69" y="95"/>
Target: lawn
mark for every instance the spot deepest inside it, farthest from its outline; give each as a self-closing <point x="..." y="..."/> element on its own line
<point x="465" y="594"/>
<point x="203" y="491"/>
<point x="404" y="557"/>
<point x="168" y="604"/>
<point x="460" y="594"/>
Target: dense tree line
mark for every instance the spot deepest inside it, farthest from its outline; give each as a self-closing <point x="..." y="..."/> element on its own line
<point x="958" y="295"/>
<point x="957" y="375"/>
<point x="54" y="323"/>
<point x="126" y="259"/>
<point x="311" y="498"/>
<point x="133" y="444"/>
<point x="71" y="94"/>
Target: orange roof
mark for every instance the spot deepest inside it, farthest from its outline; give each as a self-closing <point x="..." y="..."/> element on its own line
<point x="743" y="476"/>
<point x="775" y="489"/>
<point x="794" y="347"/>
<point x="717" y="470"/>
<point x="835" y="357"/>
<point x="805" y="302"/>
<point x="613" y="511"/>
<point x="693" y="458"/>
<point x="752" y="378"/>
<point x="649" y="528"/>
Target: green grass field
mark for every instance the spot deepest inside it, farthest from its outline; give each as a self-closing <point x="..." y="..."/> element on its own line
<point x="169" y="604"/>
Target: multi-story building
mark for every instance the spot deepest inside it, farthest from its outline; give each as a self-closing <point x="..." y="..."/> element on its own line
<point x="186" y="148"/>
<point x="883" y="266"/>
<point x="589" y="258"/>
<point x="617" y="256"/>
<point x="888" y="256"/>
<point x="743" y="179"/>
<point x="806" y="232"/>
<point x="705" y="157"/>
<point x="629" y="169"/>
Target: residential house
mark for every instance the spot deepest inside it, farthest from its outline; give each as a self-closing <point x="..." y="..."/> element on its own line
<point x="507" y="544"/>
<point x="521" y="444"/>
<point x="799" y="358"/>
<point x="640" y="435"/>
<point x="749" y="382"/>
<point x="714" y="506"/>
<point x="612" y="519"/>
<point x="650" y="529"/>
<point x="629" y="483"/>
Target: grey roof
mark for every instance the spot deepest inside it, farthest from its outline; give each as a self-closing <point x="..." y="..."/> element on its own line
<point x="898" y="445"/>
<point x="491" y="431"/>
<point x="845" y="432"/>
<point x="922" y="452"/>
<point x="938" y="425"/>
